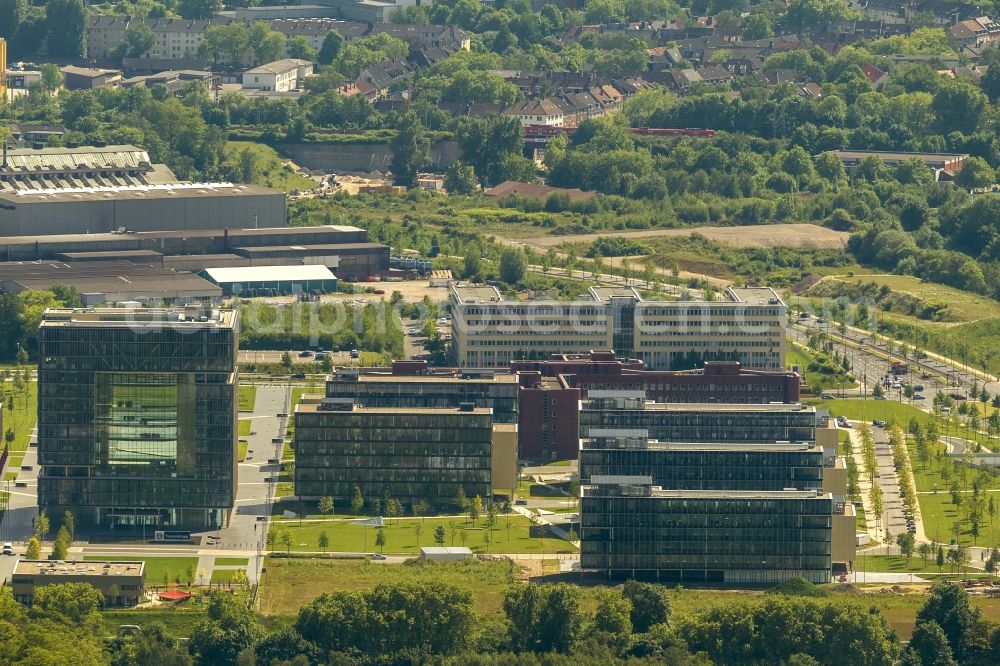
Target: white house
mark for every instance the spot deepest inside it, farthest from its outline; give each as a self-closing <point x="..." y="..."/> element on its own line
<point x="537" y="112"/>
<point x="278" y="76"/>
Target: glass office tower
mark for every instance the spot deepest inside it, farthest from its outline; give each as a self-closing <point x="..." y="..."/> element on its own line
<point x="692" y="536"/>
<point x="137" y="417"/>
<point x="407" y="453"/>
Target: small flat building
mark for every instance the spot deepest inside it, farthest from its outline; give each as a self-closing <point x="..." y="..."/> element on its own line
<point x="86" y="78"/>
<point x="272" y="280"/>
<point x="445" y="553"/>
<point x="278" y="76"/>
<point x="121" y="583"/>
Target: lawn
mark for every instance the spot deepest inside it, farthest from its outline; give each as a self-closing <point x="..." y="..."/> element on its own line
<point x="272" y="172"/>
<point x="401" y="536"/>
<point x="178" y="620"/>
<point x="962" y="305"/>
<point x="247" y="398"/>
<point x="245" y="426"/>
<point x="157" y="568"/>
<point x="290" y="583"/>
<point x="241" y="450"/>
<point x="940" y="516"/>
<point x="22" y="421"/>
<point x="231" y="561"/>
<point x="866" y="410"/>
<point x="225" y="575"/>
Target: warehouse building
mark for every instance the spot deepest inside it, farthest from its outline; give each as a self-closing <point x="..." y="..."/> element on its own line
<point x="95" y="189"/>
<point x="272" y="280"/>
<point x="343" y="249"/>
<point x="109" y="281"/>
<point x="407" y="453"/>
<point x="121" y="583"/>
<point x="137" y="417"/>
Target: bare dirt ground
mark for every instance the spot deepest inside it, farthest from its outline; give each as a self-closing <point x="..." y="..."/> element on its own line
<point x="800" y="236"/>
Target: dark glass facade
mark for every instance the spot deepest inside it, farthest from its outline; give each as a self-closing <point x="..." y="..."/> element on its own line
<point x="137" y="419"/>
<point x="409" y="454"/>
<point x="709" y="423"/>
<point x="728" y="467"/>
<point x="701" y="537"/>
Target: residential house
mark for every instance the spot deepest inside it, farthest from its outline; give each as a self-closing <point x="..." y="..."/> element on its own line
<point x="875" y="76"/>
<point x="315" y="30"/>
<point x="34" y="132"/>
<point x="975" y="32"/>
<point x="536" y="112"/>
<point x="383" y="75"/>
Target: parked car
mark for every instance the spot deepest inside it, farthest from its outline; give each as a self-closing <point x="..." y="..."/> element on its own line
<point x="378" y="556"/>
<point x="879" y="423"/>
<point x="918" y="387"/>
<point x="827" y="396"/>
<point x="355" y="353"/>
<point x="8" y="548"/>
<point x="305" y="353"/>
<point x="919" y="396"/>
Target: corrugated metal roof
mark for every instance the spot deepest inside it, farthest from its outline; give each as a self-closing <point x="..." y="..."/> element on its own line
<point x="71" y="159"/>
<point x="269" y="273"/>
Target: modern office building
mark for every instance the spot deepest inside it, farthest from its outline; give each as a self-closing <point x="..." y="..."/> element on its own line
<point x="550" y="391"/>
<point x="409" y="384"/>
<point x="137" y="417"/>
<point x="409" y="453"/>
<point x="630" y="528"/>
<point x="703" y="466"/>
<point x="121" y="583"/>
<point x="489" y="331"/>
<point x="681" y="422"/>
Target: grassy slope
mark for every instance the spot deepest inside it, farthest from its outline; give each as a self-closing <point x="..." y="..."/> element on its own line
<point x="273" y="173"/>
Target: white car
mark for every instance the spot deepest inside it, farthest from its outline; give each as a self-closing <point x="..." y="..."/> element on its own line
<point x="8" y="548"/>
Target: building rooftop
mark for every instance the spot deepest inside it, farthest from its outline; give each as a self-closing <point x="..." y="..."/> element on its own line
<point x="78" y="568"/>
<point x="754" y="295"/>
<point x="602" y="294"/>
<point x="144" y="317"/>
<point x="321" y="247"/>
<point x="269" y="273"/>
<point x="314" y="406"/>
<point x="475" y="293"/>
<point x="104" y="277"/>
<point x="133" y="193"/>
<point x="279" y="66"/>
<point x="431" y="377"/>
<point x="736" y="408"/>
<point x="898" y="156"/>
<point x="595" y="442"/>
<point x="658" y="492"/>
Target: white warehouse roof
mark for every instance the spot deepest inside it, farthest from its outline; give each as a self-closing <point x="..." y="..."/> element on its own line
<point x="269" y="274"/>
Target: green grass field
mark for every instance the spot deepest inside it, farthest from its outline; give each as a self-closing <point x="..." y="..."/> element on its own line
<point x="178" y="620"/>
<point x="241" y="450"/>
<point x="291" y="583"/>
<point x="401" y="536"/>
<point x="245" y="426"/>
<point x="21" y="421"/>
<point x="867" y="410"/>
<point x="273" y="173"/>
<point x="157" y="567"/>
<point x="225" y="575"/>
<point x="231" y="561"/>
<point x="963" y="306"/>
<point x="247" y="397"/>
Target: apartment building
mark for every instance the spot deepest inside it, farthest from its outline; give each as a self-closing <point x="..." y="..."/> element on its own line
<point x="489" y="331"/>
<point x="278" y="76"/>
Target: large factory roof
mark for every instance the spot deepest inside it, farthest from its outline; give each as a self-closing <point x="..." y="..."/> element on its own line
<point x="109" y="277"/>
<point x="57" y="239"/>
<point x="35" y="160"/>
<point x="133" y="193"/>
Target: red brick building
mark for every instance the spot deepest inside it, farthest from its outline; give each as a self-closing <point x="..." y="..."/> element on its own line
<point x="549" y="393"/>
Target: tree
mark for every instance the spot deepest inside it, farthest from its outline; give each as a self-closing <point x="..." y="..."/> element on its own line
<point x="906" y="543"/>
<point x="52" y="78"/>
<point x="286" y="360"/>
<point x="475" y="508"/>
<point x="486" y="142"/>
<point x="72" y="602"/>
<point x="69" y="522"/>
<point x="330" y="48"/>
<point x="949" y="607"/>
<point x="324" y="541"/>
<point x="513" y="265"/>
<point x="285" y="539"/>
<point x="650" y="605"/>
<point x="380" y="539"/>
<point x="34" y="549"/>
<point x="357" y="501"/>
<point x="878" y="392"/>
<point x="460" y="178"/>
<point x="11" y="14"/>
<point x="460" y="499"/>
<point x="199" y="9"/>
<point x="939" y="558"/>
<point x="925" y="550"/>
<point x="267" y="45"/>
<point x="229" y="628"/>
<point x="42" y="526"/>
<point x="958" y="106"/>
<point x="325" y="504"/>
<point x="248" y="170"/>
<point x="930" y="645"/>
<point x="613" y="613"/>
<point x="298" y="47"/>
<point x="409" y="150"/>
<point x="543" y="618"/>
<point x="439" y="535"/>
<point x="975" y="172"/>
<point x="66" y="28"/>
<point x="139" y="39"/>
<point x="990" y="82"/>
<point x="60" y="547"/>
